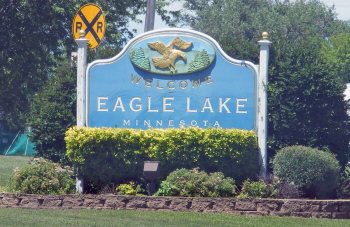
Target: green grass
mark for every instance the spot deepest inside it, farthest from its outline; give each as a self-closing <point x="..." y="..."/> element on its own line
<point x="7" y="164"/>
<point x="27" y="217"/>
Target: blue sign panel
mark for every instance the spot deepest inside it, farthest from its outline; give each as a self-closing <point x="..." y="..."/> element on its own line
<point x="172" y="78"/>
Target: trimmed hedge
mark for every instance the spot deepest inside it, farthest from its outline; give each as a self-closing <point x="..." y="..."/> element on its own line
<point x="314" y="172"/>
<point x="106" y="155"/>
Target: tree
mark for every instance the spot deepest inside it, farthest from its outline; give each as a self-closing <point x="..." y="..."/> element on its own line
<point x="52" y="112"/>
<point x="53" y="109"/>
<point x="200" y="61"/>
<point x="36" y="37"/>
<point x="305" y="103"/>
<point x="237" y="24"/>
<point x="336" y="53"/>
<point x="37" y="81"/>
<point x="49" y="108"/>
<point x="139" y="57"/>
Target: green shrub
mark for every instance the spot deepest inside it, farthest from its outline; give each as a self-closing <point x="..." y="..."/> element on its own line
<point x="314" y="172"/>
<point x="166" y="189"/>
<point x="257" y="189"/>
<point x="43" y="177"/>
<point x="128" y="189"/>
<point x="116" y="155"/>
<point x="195" y="183"/>
<point x="344" y="186"/>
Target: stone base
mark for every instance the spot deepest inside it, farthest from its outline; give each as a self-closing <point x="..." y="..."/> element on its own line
<point x="332" y="209"/>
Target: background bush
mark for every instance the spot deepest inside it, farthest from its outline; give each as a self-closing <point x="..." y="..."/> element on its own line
<point x="195" y="183"/>
<point x="129" y="189"/>
<point x="52" y="112"/>
<point x="313" y="171"/>
<point x="344" y="186"/>
<point x="43" y="177"/>
<point x="257" y="189"/>
<point x="106" y="155"/>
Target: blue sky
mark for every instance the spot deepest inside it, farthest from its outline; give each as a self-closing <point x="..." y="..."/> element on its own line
<point x="342" y="8"/>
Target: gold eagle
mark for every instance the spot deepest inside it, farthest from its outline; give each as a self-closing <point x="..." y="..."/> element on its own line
<point x="169" y="53"/>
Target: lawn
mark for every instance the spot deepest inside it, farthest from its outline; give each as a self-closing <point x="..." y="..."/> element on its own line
<point x="27" y="217"/>
<point x="7" y="164"/>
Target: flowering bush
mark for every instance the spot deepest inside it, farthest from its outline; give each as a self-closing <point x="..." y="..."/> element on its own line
<point x="128" y="189"/>
<point x="195" y="183"/>
<point x="43" y="177"/>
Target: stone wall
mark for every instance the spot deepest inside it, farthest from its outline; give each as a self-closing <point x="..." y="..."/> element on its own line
<point x="337" y="209"/>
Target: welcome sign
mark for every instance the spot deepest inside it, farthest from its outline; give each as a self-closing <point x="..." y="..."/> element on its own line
<point x="172" y="78"/>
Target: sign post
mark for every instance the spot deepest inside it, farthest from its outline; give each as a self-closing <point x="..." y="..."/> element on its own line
<point x="262" y="112"/>
<point x="88" y="28"/>
<point x="81" y="79"/>
<point x="81" y="91"/>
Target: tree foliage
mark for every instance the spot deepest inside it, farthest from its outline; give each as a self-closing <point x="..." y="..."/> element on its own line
<point x="36" y="36"/>
<point x="53" y="109"/>
<point x="305" y="103"/>
<point x="237" y="24"/>
<point x="336" y="54"/>
<point x="52" y="112"/>
<point x="37" y="81"/>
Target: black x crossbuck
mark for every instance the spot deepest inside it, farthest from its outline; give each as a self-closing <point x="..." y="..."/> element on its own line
<point x="89" y="26"/>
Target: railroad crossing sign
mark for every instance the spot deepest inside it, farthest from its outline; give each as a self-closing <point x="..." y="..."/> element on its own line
<point x="91" y="19"/>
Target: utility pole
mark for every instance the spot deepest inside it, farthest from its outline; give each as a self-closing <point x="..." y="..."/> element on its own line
<point x="150" y="14"/>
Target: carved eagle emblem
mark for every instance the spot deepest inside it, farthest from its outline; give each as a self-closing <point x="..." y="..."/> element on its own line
<point x="169" y="53"/>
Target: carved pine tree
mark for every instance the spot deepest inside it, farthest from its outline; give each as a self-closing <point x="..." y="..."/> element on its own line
<point x="200" y="61"/>
<point x="205" y="58"/>
<point x="146" y="64"/>
<point x="139" y="57"/>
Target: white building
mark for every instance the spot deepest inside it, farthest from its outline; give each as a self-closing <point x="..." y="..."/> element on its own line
<point x="347" y="95"/>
